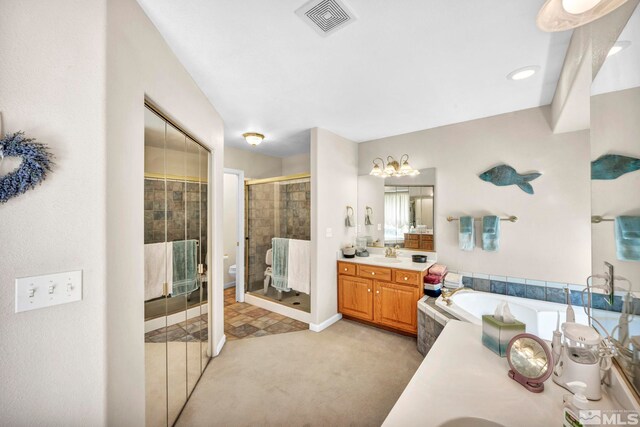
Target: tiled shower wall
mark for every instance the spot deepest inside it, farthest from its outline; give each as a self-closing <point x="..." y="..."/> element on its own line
<point x="186" y="202"/>
<point x="278" y="209"/>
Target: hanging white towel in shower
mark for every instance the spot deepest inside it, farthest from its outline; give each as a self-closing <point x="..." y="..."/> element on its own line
<point x="158" y="268"/>
<point x="299" y="265"/>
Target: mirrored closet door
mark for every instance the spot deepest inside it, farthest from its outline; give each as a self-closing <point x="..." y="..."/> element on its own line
<point x="176" y="207"/>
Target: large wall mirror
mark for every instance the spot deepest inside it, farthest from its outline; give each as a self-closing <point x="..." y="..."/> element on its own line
<point x="398" y="211"/>
<point x="615" y="131"/>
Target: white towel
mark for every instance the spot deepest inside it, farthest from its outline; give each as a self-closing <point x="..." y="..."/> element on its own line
<point x="158" y="268"/>
<point x="452" y="280"/>
<point x="299" y="265"/>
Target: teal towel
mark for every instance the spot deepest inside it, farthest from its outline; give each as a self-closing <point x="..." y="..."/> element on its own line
<point x="627" y="229"/>
<point x="490" y="233"/>
<point x="280" y="272"/>
<point x="466" y="233"/>
<point x="184" y="267"/>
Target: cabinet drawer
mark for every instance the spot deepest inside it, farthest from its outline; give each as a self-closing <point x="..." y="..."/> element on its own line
<point x="378" y="273"/>
<point x="407" y="277"/>
<point x="408" y="236"/>
<point x="346" y="268"/>
<point x="426" y="238"/>
<point x="412" y="244"/>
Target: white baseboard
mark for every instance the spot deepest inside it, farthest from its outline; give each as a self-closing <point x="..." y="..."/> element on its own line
<point x="293" y="313"/>
<point x="229" y="285"/>
<point x="220" y="345"/>
<point x="317" y="327"/>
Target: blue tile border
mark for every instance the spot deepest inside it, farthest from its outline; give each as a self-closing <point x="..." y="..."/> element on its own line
<point x="543" y="291"/>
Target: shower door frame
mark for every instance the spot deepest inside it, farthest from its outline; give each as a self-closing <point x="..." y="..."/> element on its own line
<point x="248" y="183"/>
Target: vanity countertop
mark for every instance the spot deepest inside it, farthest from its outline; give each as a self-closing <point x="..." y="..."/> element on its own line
<point x="460" y="377"/>
<point x="403" y="263"/>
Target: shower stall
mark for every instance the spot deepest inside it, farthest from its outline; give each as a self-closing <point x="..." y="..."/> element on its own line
<point x="275" y="207"/>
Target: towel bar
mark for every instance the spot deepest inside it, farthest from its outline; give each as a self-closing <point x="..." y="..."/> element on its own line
<point x="510" y="218"/>
<point x="597" y="219"/>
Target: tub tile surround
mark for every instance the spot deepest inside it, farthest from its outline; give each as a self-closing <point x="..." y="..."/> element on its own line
<point x="541" y="290"/>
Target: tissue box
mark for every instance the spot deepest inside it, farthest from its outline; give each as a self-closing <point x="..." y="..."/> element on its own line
<point x="496" y="334"/>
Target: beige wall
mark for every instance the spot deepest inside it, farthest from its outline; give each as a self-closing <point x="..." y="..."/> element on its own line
<point x="140" y="64"/>
<point x="334" y="186"/>
<point x="300" y="163"/>
<point x="615" y="129"/>
<point x="52" y="86"/>
<point x="254" y="165"/>
<point x="552" y="239"/>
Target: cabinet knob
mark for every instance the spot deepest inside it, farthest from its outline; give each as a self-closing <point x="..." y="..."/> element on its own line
<point x="373" y="273"/>
<point x="345" y="269"/>
<point x="377" y="292"/>
<point x="406" y="278"/>
<point x="368" y="290"/>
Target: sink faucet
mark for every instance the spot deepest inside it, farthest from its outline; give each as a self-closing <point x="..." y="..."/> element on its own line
<point x="391" y="252"/>
<point x="446" y="295"/>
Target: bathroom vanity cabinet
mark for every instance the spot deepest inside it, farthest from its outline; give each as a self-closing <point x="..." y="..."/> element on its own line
<point x="382" y="296"/>
<point x="419" y="241"/>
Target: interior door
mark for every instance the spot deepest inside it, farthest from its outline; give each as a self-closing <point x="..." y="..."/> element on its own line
<point x="177" y="334"/>
<point x="355" y="297"/>
<point x="395" y="306"/>
<point x="156" y="255"/>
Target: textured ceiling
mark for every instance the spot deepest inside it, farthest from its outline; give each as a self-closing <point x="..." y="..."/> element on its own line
<point x="402" y="66"/>
<point x="622" y="71"/>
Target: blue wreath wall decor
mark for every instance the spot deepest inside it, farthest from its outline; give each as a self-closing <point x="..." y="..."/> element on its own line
<point x="36" y="163"/>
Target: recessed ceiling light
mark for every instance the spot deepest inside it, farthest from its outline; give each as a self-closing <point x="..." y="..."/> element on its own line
<point x="618" y="47"/>
<point x="523" y="73"/>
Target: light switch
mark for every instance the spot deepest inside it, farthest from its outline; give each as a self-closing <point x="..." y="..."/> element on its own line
<point x="37" y="292"/>
<point x="379" y="227"/>
<point x="329" y="233"/>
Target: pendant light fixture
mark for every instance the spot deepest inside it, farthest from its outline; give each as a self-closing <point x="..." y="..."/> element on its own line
<point x="393" y="167"/>
<point x="253" y="138"/>
<point x="561" y="15"/>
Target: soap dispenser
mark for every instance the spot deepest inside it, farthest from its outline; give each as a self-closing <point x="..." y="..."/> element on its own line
<point x="573" y="404"/>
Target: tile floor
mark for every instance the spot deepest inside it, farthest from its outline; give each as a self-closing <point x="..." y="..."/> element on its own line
<point x="242" y="320"/>
<point x="195" y="329"/>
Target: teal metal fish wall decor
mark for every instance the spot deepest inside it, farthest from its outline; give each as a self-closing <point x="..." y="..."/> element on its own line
<point x="612" y="166"/>
<point x="504" y="175"/>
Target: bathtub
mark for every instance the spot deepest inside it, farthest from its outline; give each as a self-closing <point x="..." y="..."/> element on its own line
<point x="538" y="316"/>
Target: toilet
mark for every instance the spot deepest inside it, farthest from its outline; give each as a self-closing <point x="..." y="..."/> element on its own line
<point x="232" y="270"/>
<point x="268" y="259"/>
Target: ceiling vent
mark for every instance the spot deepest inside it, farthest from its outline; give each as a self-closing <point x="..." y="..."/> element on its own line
<point x="326" y="16"/>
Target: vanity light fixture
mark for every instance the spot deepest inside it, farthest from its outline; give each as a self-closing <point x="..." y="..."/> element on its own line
<point x="618" y="47"/>
<point x="523" y="73"/>
<point x="253" y="138"/>
<point x="561" y="15"/>
<point x="393" y="167"/>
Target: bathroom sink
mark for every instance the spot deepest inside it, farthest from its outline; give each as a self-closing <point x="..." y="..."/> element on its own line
<point x="470" y="422"/>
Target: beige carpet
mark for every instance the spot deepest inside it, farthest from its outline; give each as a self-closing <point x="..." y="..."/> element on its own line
<point x="347" y="375"/>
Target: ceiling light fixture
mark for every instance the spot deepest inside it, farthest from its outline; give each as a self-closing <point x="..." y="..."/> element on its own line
<point x="618" y="47"/>
<point x="253" y="138"/>
<point x="393" y="167"/>
<point x="562" y="15"/>
<point x="523" y="73"/>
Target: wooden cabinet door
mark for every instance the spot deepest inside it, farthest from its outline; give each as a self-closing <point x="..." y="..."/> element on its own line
<point x="355" y="297"/>
<point x="396" y="306"/>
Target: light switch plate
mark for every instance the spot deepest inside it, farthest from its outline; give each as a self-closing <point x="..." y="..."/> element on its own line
<point x="329" y="233"/>
<point x="37" y="292"/>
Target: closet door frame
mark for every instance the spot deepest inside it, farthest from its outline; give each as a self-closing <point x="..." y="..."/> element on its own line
<point x="209" y="232"/>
